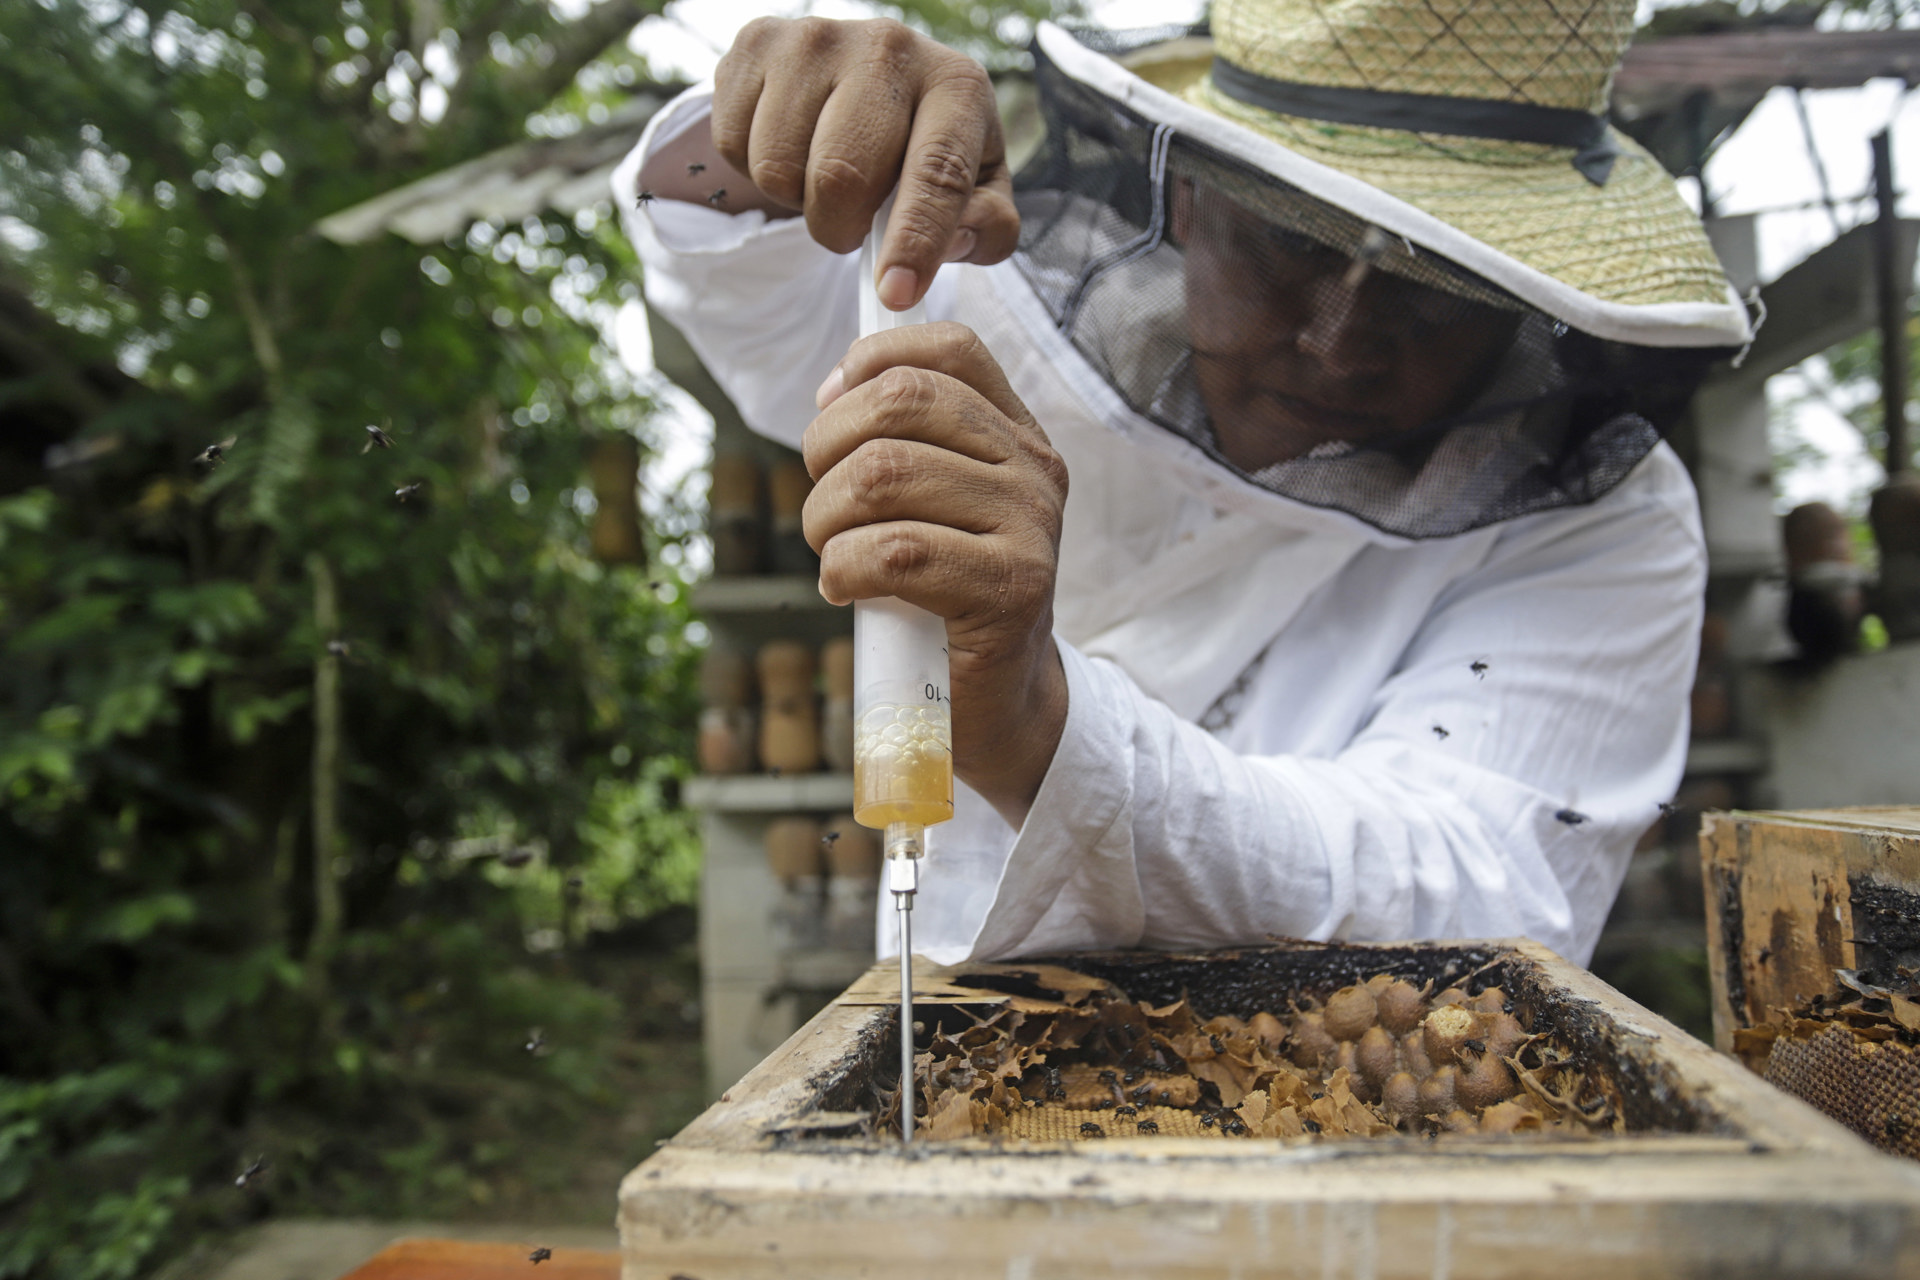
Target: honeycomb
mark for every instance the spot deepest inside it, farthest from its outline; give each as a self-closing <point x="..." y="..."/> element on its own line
<point x="1374" y="1058"/>
<point x="1854" y="1056"/>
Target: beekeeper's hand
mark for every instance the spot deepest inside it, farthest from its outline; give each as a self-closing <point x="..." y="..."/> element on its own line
<point x="934" y="484"/>
<point x="828" y="117"/>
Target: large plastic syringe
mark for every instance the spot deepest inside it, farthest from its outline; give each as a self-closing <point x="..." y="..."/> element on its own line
<point x="903" y="723"/>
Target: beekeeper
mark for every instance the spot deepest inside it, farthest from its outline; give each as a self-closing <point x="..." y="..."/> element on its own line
<point x="1285" y="456"/>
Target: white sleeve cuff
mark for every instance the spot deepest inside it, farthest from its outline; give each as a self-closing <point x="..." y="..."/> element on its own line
<point x="1079" y="829"/>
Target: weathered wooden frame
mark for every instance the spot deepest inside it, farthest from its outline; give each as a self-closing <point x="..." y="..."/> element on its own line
<point x="1788" y="898"/>
<point x="774" y="1179"/>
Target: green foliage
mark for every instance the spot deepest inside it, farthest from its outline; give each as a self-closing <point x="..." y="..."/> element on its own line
<point x="171" y="1006"/>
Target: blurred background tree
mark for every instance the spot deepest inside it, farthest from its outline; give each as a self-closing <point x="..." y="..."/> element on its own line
<point x="320" y="760"/>
<point x="330" y="773"/>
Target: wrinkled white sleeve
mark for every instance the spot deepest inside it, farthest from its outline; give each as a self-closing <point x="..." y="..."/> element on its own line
<point x="1147" y="831"/>
<point x="767" y="309"/>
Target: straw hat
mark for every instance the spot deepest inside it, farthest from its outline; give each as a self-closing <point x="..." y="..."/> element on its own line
<point x="1501" y="128"/>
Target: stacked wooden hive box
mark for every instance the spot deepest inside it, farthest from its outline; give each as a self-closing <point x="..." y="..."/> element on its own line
<point x="1216" y="1115"/>
<point x="1814" y="941"/>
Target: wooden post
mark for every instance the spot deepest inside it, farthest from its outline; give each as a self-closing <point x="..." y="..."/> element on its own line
<point x="1893" y="308"/>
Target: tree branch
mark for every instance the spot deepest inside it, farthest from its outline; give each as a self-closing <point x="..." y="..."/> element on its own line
<point x="578" y="43"/>
<point x="266" y="349"/>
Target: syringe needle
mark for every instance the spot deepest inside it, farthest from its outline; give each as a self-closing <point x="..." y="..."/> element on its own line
<point x="903" y="909"/>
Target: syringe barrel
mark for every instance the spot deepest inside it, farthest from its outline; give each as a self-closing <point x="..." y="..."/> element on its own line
<point x="903" y="726"/>
<point x="902" y="715"/>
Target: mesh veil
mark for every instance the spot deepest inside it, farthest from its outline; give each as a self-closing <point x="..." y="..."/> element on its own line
<point x="1310" y="353"/>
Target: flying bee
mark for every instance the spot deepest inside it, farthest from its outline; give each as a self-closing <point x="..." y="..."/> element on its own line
<point x="536" y="1042"/>
<point x="719" y="194"/>
<point x="340" y="648"/>
<point x="539" y="1255"/>
<point x="1441" y="733"/>
<point x="695" y="169"/>
<point x="1669" y="808"/>
<point x="251" y="1172"/>
<point x="516" y="857"/>
<point x="214" y="454"/>
<point x="644" y="199"/>
<point x="1572" y="817"/>
<point x="1478" y="668"/>
<point x="826" y="841"/>
<point x="376" y="439"/>
<point x="407" y="492"/>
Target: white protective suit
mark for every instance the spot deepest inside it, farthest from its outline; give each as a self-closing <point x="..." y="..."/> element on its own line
<point x="1449" y="738"/>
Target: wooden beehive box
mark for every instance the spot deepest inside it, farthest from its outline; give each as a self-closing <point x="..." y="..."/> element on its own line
<point x="1718" y="1175"/>
<point x="1791" y="897"/>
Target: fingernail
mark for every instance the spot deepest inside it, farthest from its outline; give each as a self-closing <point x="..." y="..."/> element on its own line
<point x="963" y="242"/>
<point x="830" y="389"/>
<point x="898" y="288"/>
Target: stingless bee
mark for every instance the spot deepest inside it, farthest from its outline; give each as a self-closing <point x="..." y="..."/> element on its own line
<point x="214" y="454"/>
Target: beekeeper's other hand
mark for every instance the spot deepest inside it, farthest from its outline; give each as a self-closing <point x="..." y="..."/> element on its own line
<point x="934" y="484"/>
<point x="828" y="117"/>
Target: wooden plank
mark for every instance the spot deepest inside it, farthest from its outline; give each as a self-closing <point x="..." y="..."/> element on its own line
<point x="1088" y="1212"/>
<point x="429" y="1259"/>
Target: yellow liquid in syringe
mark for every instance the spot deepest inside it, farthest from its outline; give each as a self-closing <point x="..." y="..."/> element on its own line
<point x="903" y="765"/>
